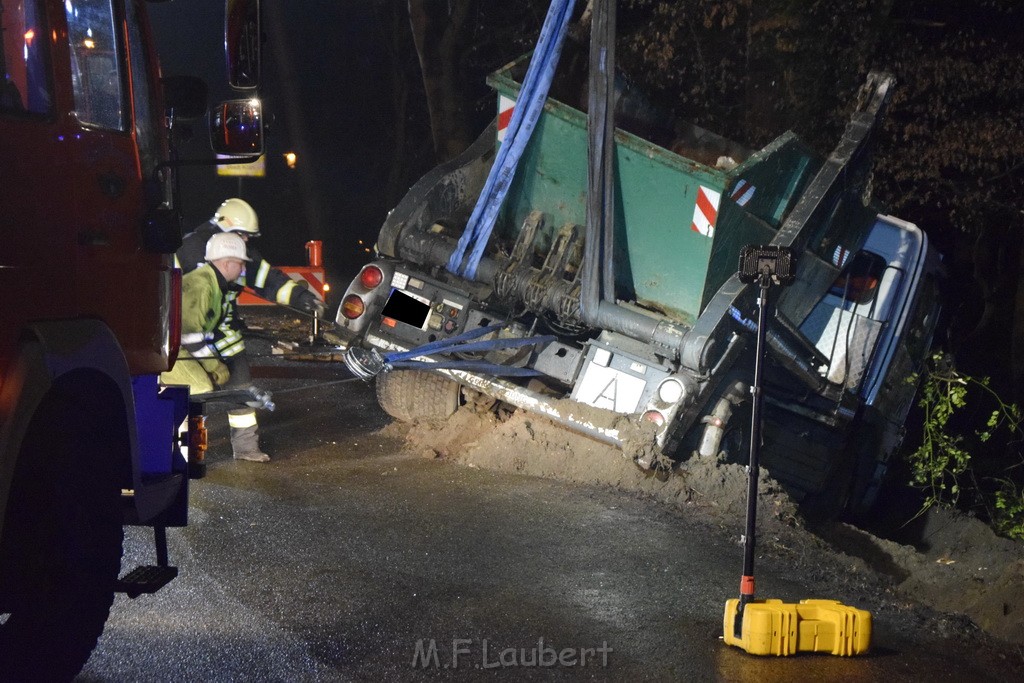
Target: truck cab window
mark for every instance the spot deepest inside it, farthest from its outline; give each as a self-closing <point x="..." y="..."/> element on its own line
<point x="857" y="285"/>
<point x="145" y="109"/>
<point x="25" y="85"/>
<point x="96" y="72"/>
<point x="845" y="324"/>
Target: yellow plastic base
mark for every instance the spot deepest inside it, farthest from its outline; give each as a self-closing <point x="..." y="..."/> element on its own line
<point x="771" y="627"/>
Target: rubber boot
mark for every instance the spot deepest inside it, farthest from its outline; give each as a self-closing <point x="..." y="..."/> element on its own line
<point x="245" y="444"/>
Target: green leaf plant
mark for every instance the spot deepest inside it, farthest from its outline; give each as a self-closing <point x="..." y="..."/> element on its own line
<point x="969" y="455"/>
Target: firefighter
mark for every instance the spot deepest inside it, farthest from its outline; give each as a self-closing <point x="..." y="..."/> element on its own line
<point x="238" y="217"/>
<point x="203" y="299"/>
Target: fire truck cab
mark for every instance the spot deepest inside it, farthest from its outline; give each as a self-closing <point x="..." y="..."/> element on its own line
<point x="90" y="317"/>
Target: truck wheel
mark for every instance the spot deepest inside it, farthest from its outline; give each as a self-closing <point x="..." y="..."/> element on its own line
<point x="414" y="395"/>
<point x="64" y="527"/>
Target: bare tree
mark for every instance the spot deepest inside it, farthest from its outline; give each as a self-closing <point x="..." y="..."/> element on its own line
<point x="438" y="29"/>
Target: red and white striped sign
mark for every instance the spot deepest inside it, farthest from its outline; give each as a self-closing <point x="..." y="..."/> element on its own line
<point x="705" y="213"/>
<point x="743" y="192"/>
<point x="312" y="276"/>
<point x="505" y="108"/>
<point x="840" y="255"/>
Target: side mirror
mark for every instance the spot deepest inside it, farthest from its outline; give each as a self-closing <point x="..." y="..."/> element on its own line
<point x="236" y="127"/>
<point x="242" y="42"/>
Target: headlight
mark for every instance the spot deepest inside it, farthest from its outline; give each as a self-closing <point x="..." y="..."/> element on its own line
<point x="671" y="391"/>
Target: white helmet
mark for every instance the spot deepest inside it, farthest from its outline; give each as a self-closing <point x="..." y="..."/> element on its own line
<point x="235" y="215"/>
<point x="226" y="245"/>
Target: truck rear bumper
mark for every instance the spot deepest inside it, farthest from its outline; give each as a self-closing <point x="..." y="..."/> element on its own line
<point x="582" y="419"/>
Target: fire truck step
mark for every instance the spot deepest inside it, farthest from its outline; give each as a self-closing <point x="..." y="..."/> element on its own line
<point x="145" y="579"/>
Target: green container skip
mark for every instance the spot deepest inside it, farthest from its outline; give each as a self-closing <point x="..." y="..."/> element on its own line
<point x="681" y="218"/>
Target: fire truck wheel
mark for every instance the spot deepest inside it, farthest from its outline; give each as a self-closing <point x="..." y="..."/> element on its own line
<point x="414" y="395"/>
<point x="65" y="526"/>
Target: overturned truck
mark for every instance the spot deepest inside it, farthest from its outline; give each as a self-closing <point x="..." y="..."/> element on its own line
<point x="651" y="321"/>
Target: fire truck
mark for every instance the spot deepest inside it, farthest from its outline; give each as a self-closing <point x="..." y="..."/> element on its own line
<point x="90" y="441"/>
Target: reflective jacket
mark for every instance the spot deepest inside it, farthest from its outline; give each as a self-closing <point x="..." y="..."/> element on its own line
<point x="267" y="281"/>
<point x="203" y="306"/>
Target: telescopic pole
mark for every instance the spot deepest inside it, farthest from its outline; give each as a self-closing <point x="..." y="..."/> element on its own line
<point x="753" y="469"/>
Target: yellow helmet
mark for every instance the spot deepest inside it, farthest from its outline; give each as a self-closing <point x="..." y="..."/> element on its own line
<point x="235" y="215"/>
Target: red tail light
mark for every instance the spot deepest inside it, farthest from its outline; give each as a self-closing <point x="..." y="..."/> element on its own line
<point x="655" y="417"/>
<point x="370" y="277"/>
<point x="352" y="307"/>
<point x="174" y="321"/>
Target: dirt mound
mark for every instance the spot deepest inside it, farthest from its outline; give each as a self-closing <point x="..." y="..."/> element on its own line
<point x="954" y="563"/>
<point x="534" y="446"/>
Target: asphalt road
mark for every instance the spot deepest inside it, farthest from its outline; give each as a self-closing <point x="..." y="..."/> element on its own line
<point x="346" y="558"/>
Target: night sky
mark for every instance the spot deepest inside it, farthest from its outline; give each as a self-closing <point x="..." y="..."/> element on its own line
<point x="326" y="97"/>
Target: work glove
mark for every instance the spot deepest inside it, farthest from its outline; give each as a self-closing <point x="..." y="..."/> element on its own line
<point x="219" y="373"/>
<point x="308" y="302"/>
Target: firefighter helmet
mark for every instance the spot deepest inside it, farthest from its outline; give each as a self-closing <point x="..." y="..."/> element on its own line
<point x="235" y="215"/>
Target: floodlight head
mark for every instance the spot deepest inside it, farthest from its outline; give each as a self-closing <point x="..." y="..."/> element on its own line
<point x="767" y="264"/>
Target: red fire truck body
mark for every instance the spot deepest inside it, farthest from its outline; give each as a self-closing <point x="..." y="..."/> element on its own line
<point x="90" y="314"/>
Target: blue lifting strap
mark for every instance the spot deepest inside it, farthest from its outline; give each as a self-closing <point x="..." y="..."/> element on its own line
<point x="527" y="111"/>
<point x="440" y="345"/>
<point x="456" y="344"/>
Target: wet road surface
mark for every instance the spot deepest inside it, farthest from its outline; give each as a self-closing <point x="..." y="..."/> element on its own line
<point x="347" y="559"/>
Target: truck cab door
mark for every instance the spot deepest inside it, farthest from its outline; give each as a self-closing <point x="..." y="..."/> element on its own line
<point x="113" y="132"/>
<point x="33" y="171"/>
<point x="859" y="322"/>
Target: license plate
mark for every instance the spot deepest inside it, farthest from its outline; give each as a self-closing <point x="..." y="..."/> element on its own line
<point x="611" y="389"/>
<point x="406" y="308"/>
